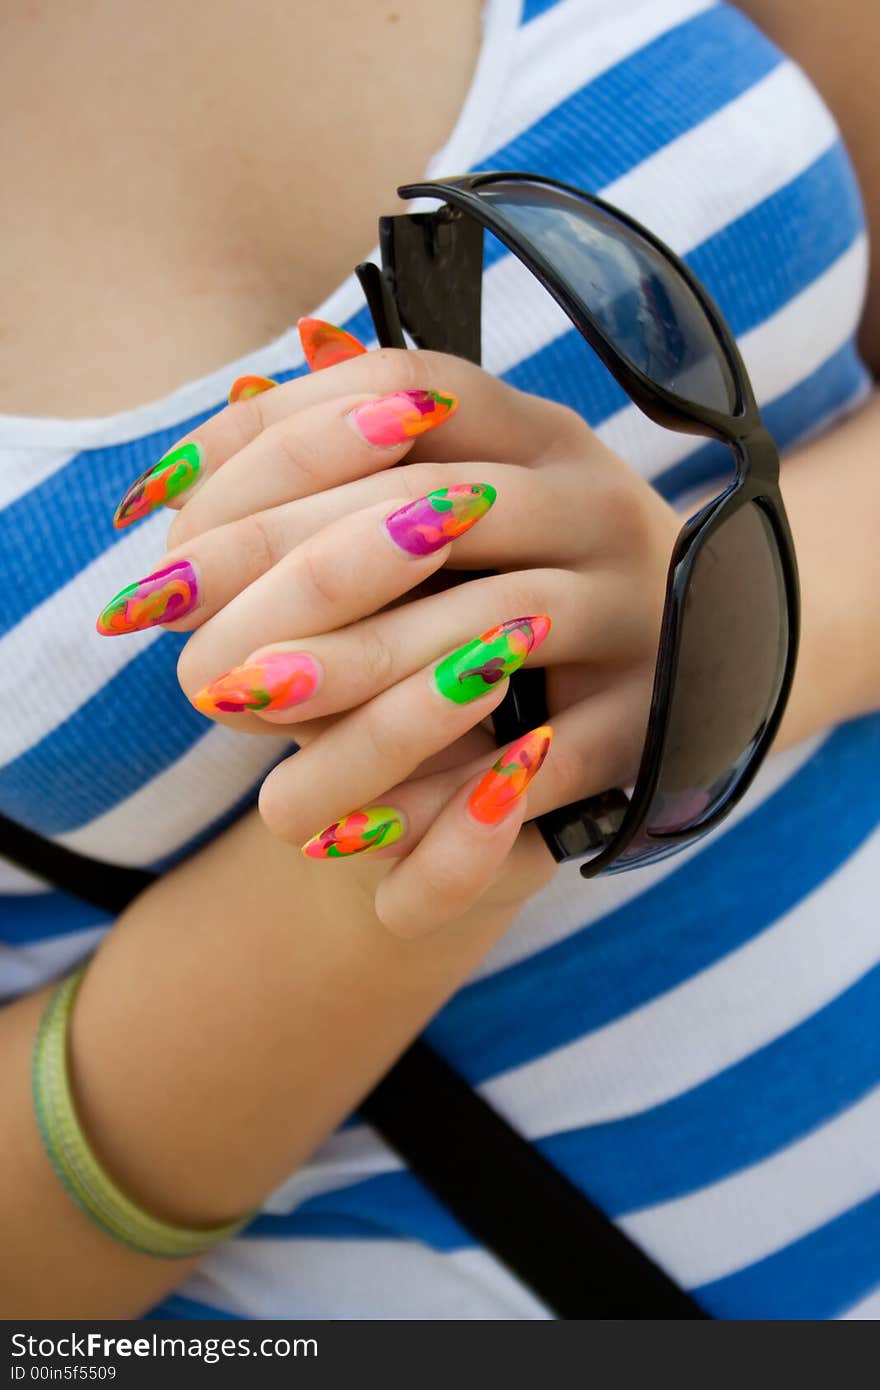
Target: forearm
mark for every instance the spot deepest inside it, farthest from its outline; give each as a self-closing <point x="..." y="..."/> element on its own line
<point x="238" y="1010"/>
<point x="831" y="489"/>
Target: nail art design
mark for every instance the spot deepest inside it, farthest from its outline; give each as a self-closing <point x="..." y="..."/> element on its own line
<point x="372" y="828"/>
<point x="246" y="386"/>
<point x="394" y="419"/>
<point x="162" y="597"/>
<point x="430" y="522"/>
<point x="324" y="344"/>
<point x="275" y="681"/>
<point x="507" y="779"/>
<point x="167" y="478"/>
<point x="471" y="670"/>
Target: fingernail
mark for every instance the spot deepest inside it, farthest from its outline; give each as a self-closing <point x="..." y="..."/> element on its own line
<point x="507" y="779"/>
<point x="372" y="828"/>
<point x="471" y="670"/>
<point x="275" y="681"/>
<point x="430" y="522"/>
<point x="169" y="477"/>
<point x="160" y="598"/>
<point x="246" y="386"/>
<point x="392" y="420"/>
<point x="324" y="344"/>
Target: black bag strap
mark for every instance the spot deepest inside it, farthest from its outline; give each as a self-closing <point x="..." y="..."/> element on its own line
<point x="497" y="1184"/>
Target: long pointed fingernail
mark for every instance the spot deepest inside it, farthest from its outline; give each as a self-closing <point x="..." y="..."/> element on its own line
<point x="324" y="344"/>
<point x="430" y="522"/>
<point x="471" y="670"/>
<point x="372" y="828"/>
<point x="169" y="477"/>
<point x="392" y="420"/>
<point x="506" y="780"/>
<point x="246" y="386"/>
<point x="278" y="680"/>
<point x="162" y="597"/>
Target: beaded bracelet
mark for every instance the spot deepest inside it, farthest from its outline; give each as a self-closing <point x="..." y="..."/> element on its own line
<point x="77" y="1167"/>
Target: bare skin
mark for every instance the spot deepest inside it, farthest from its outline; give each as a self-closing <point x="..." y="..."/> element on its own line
<point x="175" y="240"/>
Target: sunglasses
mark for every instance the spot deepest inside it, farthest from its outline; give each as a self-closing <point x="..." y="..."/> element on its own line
<point x="729" y="633"/>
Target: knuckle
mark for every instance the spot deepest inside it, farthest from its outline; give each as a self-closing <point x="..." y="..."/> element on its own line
<point x="274" y="807"/>
<point x="318" y="576"/>
<point x="246" y="420"/>
<point x="389" y="741"/>
<point x="255" y="541"/>
<point x="301" y="455"/>
<point x="398" y="369"/>
<point x="376" y="658"/>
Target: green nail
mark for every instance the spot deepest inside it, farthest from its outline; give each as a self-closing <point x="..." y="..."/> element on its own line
<point x="471" y="670"/>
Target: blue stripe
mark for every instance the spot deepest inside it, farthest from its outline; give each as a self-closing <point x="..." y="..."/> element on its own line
<point x="177" y="1308"/>
<point x="84" y="493"/>
<point x="738" y="1118"/>
<point x="642" y="103"/>
<point x="99" y="756"/>
<point x="734" y="266"/>
<point x="532" y="8"/>
<point x="814" y="1278"/>
<point x="682" y="925"/>
<point x="29" y="917"/>
<point x="830" y="387"/>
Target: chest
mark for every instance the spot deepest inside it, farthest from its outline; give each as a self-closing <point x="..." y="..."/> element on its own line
<point x="185" y="190"/>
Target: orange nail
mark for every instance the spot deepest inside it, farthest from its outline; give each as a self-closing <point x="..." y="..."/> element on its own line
<point x="246" y="386"/>
<point x="324" y="344"/>
<point x="504" y="784"/>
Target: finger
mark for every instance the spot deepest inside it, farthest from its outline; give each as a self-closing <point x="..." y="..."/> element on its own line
<point x="354" y="565"/>
<point x="370" y="655"/>
<point x="383" y="741"/>
<point x="316" y="448"/>
<point x="595" y="745"/>
<point x="465" y="849"/>
<point x="497" y="421"/>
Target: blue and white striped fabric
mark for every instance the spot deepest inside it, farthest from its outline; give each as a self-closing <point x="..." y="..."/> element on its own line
<point x="694" y="1044"/>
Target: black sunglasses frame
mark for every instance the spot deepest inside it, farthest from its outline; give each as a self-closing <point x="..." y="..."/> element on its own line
<point x="431" y="282"/>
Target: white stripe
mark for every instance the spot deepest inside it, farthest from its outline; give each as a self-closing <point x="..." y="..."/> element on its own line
<point x="668" y="1045"/>
<point x="734" y="1223"/>
<point x="569" y="903"/>
<point x="357" y="1279"/>
<point x="665" y="190"/>
<point x="866" y="1310"/>
<point x="18" y="882"/>
<point x="25" y="467"/>
<point x="569" y="46"/>
<point x="172" y="808"/>
<point x="711" y="1021"/>
<point x="26" y="968"/>
<point x="55" y="650"/>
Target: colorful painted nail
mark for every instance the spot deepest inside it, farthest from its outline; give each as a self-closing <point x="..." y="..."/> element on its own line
<point x="469" y="672"/>
<point x="246" y="386"/>
<point x="324" y="344"/>
<point x="275" y="681"/>
<point x="160" y="598"/>
<point x="507" y="779"/>
<point x="172" y="475"/>
<point x="372" y="828"/>
<point x="430" y="522"/>
<point x="392" y="420"/>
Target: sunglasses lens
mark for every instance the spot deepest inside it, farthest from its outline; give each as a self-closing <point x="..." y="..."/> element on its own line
<point x="642" y="304"/>
<point x="731" y="663"/>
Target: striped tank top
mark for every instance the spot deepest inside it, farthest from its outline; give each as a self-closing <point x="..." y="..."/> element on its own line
<point x="694" y="1044"/>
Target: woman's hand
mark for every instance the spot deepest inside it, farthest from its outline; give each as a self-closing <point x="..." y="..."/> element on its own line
<point x="298" y="553"/>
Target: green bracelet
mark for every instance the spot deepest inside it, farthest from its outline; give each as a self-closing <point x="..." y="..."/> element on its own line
<point x="76" y="1165"/>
